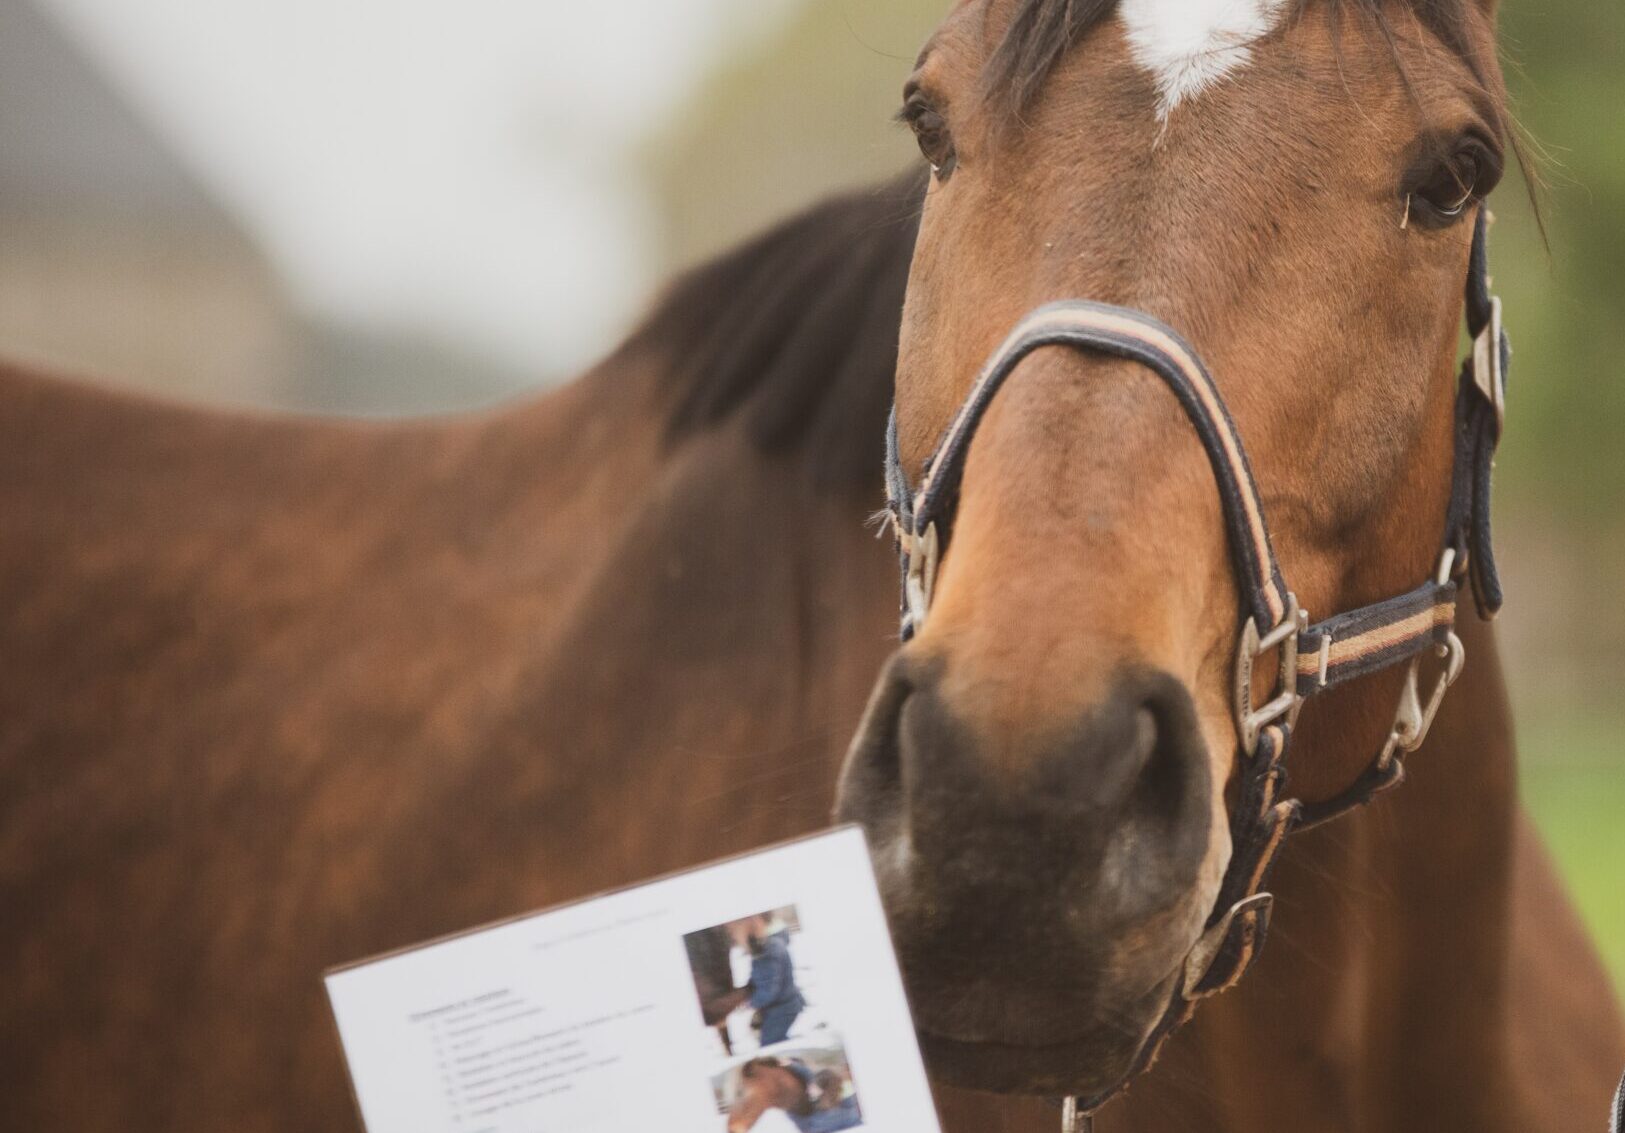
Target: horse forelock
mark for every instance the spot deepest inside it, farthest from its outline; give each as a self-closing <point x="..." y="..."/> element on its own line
<point x="1186" y="44"/>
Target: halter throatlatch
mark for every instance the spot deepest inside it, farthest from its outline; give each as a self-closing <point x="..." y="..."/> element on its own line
<point x="1309" y="658"/>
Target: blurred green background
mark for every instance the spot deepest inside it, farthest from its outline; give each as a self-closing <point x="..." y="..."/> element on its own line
<point x="1562" y="475"/>
<point x="121" y="233"/>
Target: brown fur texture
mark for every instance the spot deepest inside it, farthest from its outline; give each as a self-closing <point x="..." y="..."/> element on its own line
<point x="279" y="694"/>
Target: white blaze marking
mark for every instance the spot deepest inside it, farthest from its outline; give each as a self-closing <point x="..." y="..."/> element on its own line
<point x="1190" y="45"/>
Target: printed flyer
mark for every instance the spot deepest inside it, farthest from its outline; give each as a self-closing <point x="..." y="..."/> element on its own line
<point x="759" y="995"/>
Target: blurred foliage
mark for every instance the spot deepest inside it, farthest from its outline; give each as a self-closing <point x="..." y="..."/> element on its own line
<point x="1566" y="68"/>
<point x="1574" y="789"/>
<point x="808" y="111"/>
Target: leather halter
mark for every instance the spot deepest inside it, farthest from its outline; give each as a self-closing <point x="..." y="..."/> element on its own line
<point x="1311" y="657"/>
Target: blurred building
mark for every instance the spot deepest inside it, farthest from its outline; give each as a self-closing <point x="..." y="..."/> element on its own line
<point x="115" y="263"/>
<point x="112" y="260"/>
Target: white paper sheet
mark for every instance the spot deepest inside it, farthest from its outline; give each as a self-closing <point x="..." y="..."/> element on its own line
<point x="589" y="1018"/>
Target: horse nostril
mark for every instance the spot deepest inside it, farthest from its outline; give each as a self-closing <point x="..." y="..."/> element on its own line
<point x="872" y="776"/>
<point x="1117" y="800"/>
<point x="1113" y="750"/>
<point x="1145" y="732"/>
<point x="1138" y="750"/>
<point x="1176" y="776"/>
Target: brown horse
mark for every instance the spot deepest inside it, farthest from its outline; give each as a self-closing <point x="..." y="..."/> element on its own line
<point x="710" y="961"/>
<point x="278" y="693"/>
<point x="771" y="1083"/>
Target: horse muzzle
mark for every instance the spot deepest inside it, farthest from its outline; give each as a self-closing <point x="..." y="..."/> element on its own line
<point x="1042" y="902"/>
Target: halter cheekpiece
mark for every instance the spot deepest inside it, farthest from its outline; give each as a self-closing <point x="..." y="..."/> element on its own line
<point x="1309" y="658"/>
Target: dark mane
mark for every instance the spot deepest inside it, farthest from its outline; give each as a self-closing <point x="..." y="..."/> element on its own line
<point x="1043" y="31"/>
<point x="796" y="332"/>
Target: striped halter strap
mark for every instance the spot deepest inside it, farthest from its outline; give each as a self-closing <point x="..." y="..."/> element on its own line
<point x="1310" y="657"/>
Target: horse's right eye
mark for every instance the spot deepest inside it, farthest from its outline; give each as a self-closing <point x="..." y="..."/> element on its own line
<point x="931" y="131"/>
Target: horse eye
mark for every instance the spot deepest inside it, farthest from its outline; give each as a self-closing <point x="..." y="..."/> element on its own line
<point x="1448" y="189"/>
<point x="931" y="132"/>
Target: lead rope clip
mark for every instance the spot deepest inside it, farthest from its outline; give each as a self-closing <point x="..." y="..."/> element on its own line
<point x="1075" y="1120"/>
<point x="1414" y="717"/>
<point x="1488" y="373"/>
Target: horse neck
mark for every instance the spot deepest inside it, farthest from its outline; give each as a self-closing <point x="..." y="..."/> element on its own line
<point x="702" y="605"/>
<point x="703" y="667"/>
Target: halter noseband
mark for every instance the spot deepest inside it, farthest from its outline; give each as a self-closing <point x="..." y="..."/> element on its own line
<point x="1311" y="657"/>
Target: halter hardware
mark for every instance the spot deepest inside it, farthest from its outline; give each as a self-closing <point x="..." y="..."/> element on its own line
<point x="1310" y="658"/>
<point x="1195" y="983"/>
<point x="1286" y="701"/>
<point x="921" y="581"/>
<point x="1489" y="375"/>
<point x="1413" y="719"/>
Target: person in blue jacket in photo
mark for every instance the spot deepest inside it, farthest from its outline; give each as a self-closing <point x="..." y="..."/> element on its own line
<point x="814" y="1103"/>
<point x="830" y="1112"/>
<point x="774" y="995"/>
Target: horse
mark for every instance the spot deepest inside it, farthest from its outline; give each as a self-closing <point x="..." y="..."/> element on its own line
<point x="280" y="693"/>
<point x="709" y="958"/>
<point x="814" y="1102"/>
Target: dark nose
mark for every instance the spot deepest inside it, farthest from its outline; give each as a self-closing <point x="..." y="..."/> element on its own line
<point x="1113" y="802"/>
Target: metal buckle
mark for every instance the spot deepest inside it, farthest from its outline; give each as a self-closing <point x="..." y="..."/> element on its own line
<point x="922" y="574"/>
<point x="1488" y="374"/>
<point x="1074" y="1118"/>
<point x="1285" y="701"/>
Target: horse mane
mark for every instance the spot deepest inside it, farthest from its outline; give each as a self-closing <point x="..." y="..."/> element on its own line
<point x="795" y="333"/>
<point x="1043" y="31"/>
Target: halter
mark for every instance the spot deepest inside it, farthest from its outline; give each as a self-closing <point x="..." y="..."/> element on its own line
<point x="1310" y="658"/>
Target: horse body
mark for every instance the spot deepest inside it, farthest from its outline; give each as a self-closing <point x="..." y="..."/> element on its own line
<point x="247" y="662"/>
<point x="282" y="694"/>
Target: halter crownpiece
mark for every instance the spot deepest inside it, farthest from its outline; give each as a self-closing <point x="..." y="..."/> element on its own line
<point x="1310" y="657"/>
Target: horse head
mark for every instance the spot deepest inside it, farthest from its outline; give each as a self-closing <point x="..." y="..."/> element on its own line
<point x="1048" y="772"/>
<point x="766" y="1083"/>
